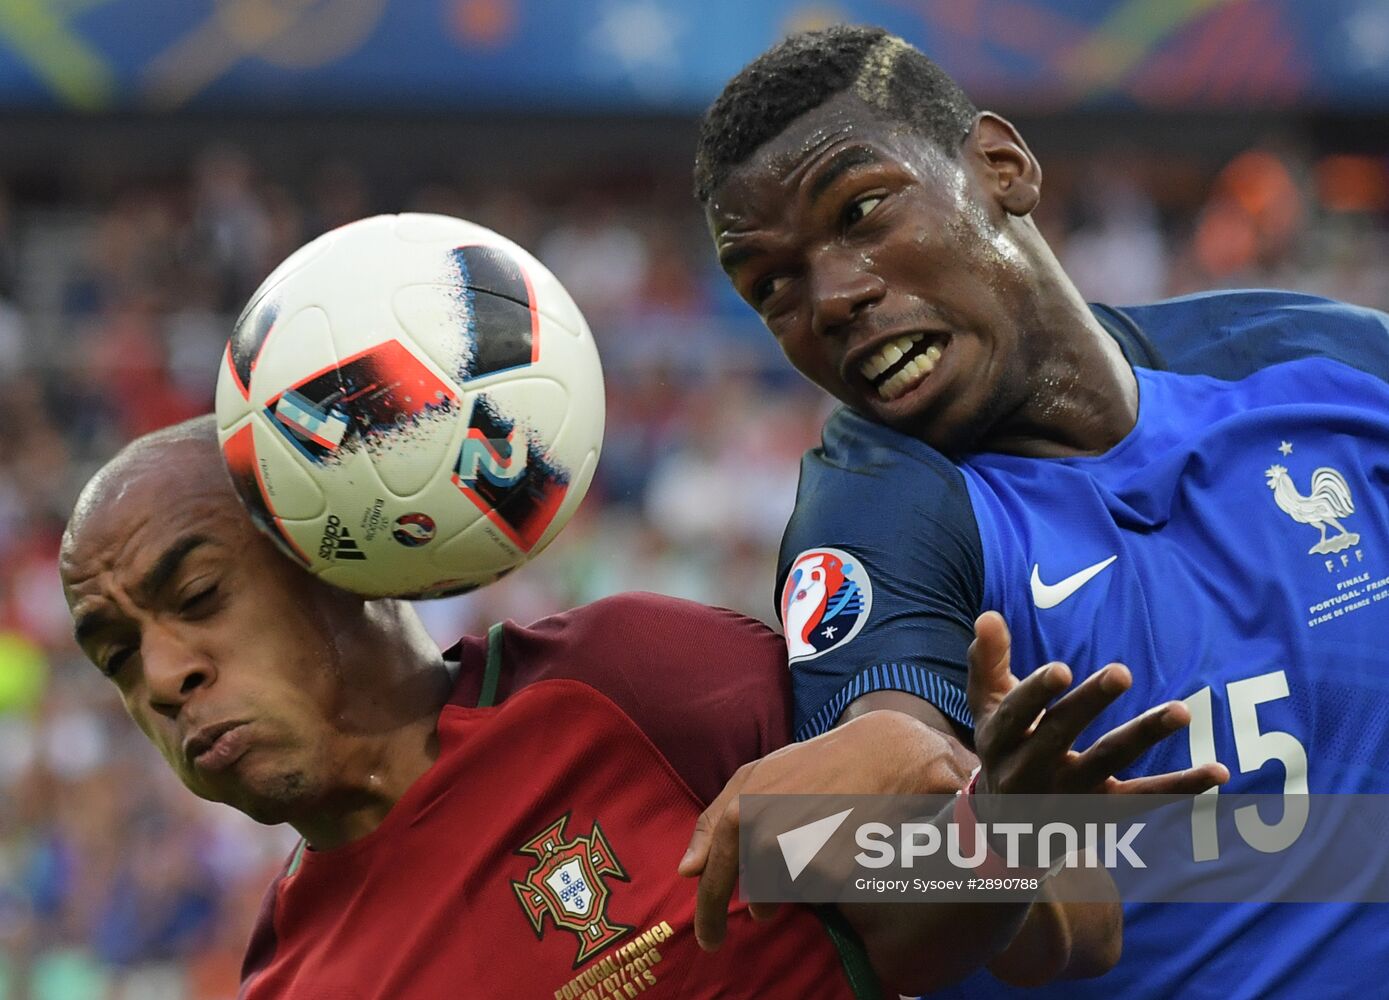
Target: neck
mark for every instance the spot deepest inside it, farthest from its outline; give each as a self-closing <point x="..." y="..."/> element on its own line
<point x="385" y="734"/>
<point x="374" y="776"/>
<point x="1080" y="397"/>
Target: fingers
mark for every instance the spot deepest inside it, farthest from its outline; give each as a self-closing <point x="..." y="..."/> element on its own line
<point x="1120" y="747"/>
<point x="1021" y="740"/>
<point x="1066" y="719"/>
<point x="1192" y="781"/>
<point x="1011" y="720"/>
<point x="697" y="853"/>
<point x="990" y="665"/>
<point x="717" y="881"/>
<point x="713" y="856"/>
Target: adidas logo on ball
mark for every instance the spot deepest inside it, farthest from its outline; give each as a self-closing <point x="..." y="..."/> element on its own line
<point x="337" y="543"/>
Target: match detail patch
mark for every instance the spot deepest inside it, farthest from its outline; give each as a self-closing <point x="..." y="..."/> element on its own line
<point x="826" y="600"/>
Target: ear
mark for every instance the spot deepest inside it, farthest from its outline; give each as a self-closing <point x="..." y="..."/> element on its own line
<point x="1006" y="166"/>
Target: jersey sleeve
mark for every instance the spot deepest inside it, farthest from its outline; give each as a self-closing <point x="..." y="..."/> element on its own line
<point x="708" y="686"/>
<point x="880" y="577"/>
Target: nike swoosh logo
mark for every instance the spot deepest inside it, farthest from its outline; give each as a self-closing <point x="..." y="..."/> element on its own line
<point x="1049" y="595"/>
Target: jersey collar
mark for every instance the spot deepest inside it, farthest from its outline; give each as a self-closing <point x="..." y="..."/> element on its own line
<point x="1139" y="350"/>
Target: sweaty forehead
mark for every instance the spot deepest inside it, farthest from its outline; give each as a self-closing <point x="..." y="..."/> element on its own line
<point x="811" y="135"/>
<point x="781" y="156"/>
<point x="152" y="491"/>
<point x="759" y="185"/>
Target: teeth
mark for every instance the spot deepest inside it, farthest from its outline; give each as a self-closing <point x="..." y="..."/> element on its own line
<point x="912" y="373"/>
<point x="892" y="388"/>
<point x="889" y="355"/>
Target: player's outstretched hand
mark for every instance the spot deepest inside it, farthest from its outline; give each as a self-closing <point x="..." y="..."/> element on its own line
<point x="1024" y="730"/>
<point x="880" y="753"/>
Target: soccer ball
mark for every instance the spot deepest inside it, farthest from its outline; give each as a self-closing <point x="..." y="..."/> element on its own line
<point x="411" y="406"/>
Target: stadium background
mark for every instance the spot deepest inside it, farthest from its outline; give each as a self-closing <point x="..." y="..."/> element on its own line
<point x="158" y="157"/>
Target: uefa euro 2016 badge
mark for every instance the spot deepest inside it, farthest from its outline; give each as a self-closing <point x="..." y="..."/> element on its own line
<point x="824" y="603"/>
<point x="567" y="884"/>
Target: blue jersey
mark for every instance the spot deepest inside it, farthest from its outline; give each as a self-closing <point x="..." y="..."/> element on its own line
<point x="1232" y="550"/>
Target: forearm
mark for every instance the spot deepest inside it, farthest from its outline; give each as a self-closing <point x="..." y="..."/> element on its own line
<point x="917" y="948"/>
<point x="1066" y="940"/>
<point x="921" y="947"/>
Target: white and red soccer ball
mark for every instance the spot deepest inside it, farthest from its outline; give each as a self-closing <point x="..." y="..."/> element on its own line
<point x="411" y="406"/>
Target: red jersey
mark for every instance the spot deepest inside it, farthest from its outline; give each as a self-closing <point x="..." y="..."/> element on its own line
<point x="536" y="857"/>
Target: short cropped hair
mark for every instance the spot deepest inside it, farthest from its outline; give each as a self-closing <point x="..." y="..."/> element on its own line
<point x="807" y="69"/>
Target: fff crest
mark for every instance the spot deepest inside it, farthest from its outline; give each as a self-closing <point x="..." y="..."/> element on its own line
<point x="567" y="885"/>
<point x="1328" y="501"/>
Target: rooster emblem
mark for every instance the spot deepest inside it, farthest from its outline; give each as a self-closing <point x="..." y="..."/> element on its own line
<point x="1330" y="500"/>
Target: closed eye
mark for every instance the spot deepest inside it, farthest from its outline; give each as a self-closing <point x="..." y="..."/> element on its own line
<point x="200" y="602"/>
<point x="115" y="660"/>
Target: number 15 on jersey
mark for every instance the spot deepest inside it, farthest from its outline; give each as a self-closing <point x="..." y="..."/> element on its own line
<point x="1254" y="749"/>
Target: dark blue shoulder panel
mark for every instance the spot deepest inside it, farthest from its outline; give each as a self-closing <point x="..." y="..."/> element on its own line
<point x="883" y="524"/>
<point x="1232" y="334"/>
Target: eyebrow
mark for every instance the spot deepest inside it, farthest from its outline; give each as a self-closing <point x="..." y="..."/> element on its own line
<point x="840" y="163"/>
<point x="167" y="565"/>
<point x="155" y="578"/>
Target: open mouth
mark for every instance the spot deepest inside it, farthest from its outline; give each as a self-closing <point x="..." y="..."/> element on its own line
<point x="902" y="364"/>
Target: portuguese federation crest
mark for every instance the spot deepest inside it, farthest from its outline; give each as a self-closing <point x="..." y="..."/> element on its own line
<point x="567" y="885"/>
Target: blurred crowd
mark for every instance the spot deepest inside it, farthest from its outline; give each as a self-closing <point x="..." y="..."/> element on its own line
<point x="115" y="306"/>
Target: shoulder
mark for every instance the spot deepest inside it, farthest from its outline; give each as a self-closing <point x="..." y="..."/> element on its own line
<point x="646" y="646"/>
<point x="864" y="477"/>
<point x="642" y="624"/>
<point x="708" y="686"/>
<point x="889" y="498"/>
<point x="881" y="573"/>
<point x="1232" y="334"/>
<point x="851" y="444"/>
